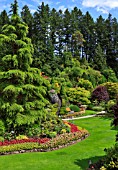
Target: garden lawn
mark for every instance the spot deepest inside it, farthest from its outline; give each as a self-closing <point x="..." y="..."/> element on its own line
<point x="88" y="112"/>
<point x="74" y="157"/>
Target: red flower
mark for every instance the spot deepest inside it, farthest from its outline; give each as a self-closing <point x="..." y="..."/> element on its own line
<point x="74" y="128"/>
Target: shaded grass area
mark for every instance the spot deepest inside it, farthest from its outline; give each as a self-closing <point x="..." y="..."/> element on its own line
<point x="72" y="157"/>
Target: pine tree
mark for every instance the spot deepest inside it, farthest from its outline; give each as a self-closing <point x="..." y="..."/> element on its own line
<point x="66" y="30"/>
<point x="59" y="32"/>
<point x="88" y="31"/>
<point x="42" y="43"/>
<point x="112" y="45"/>
<point x="4" y="19"/>
<point x="28" y="19"/>
<point x="75" y="26"/>
<point x="22" y="88"/>
<point x="101" y="32"/>
<point x="99" y="60"/>
<point x="77" y="43"/>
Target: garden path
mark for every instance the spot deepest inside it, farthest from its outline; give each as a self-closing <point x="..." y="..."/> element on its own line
<point x="83" y="117"/>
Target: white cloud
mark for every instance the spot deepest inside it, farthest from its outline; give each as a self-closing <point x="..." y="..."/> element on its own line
<point x="49" y="2"/>
<point x="32" y="10"/>
<point x="57" y="3"/>
<point x="63" y="8"/>
<point x="4" y="7"/>
<point x="101" y="5"/>
<point x="103" y="10"/>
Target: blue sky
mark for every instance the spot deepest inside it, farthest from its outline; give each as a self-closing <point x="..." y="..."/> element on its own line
<point x="95" y="7"/>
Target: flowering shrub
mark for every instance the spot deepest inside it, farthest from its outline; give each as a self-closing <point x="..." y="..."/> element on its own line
<point x="64" y="139"/>
<point x="45" y="144"/>
<point x="32" y="140"/>
<point x="74" y="128"/>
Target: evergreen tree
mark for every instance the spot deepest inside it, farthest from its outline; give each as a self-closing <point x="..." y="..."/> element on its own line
<point x="77" y="43"/>
<point x="28" y="19"/>
<point x="22" y="88"/>
<point x="101" y="33"/>
<point x="99" y="60"/>
<point x="115" y="45"/>
<point x="67" y="34"/>
<point x="42" y="43"/>
<point x="59" y="32"/>
<point x="88" y="31"/>
<point x="112" y="45"/>
<point x="54" y="17"/>
<point x="75" y="24"/>
<point x="4" y="19"/>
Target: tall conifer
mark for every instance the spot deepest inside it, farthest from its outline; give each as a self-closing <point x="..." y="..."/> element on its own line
<point x="22" y="92"/>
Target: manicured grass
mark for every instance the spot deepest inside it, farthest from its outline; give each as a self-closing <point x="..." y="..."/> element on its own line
<point x="89" y="112"/>
<point x="74" y="157"/>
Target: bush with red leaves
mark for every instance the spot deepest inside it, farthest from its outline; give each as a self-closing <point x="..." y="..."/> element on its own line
<point x="100" y="94"/>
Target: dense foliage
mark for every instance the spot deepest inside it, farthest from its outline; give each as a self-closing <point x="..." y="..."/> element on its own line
<point x="72" y="67"/>
<point x="100" y="94"/>
<point x="115" y="112"/>
<point x="55" y="32"/>
<point x="23" y="91"/>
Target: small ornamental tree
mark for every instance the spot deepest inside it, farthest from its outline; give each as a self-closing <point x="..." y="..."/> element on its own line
<point x="100" y="94"/>
<point x="22" y="89"/>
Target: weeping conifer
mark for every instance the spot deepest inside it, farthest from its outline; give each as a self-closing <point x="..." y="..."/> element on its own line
<point x="22" y="89"/>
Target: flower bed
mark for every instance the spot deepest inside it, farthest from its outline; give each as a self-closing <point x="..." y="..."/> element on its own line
<point x="30" y="140"/>
<point x="69" y="115"/>
<point x="45" y="144"/>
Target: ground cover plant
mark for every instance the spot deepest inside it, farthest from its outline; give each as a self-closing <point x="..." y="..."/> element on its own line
<point x="77" y="156"/>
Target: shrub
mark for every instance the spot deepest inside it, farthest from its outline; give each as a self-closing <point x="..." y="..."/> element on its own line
<point x="109" y="161"/>
<point x="85" y="83"/>
<point x="74" y="108"/>
<point x="21" y="137"/>
<point x="1" y="139"/>
<point x="52" y="134"/>
<point x="76" y="95"/>
<point x="100" y="94"/>
<point x="8" y="136"/>
<point x="112" y="89"/>
<point x="110" y="75"/>
<point x="64" y="139"/>
<point x="2" y="128"/>
<point x="115" y="112"/>
<point x="97" y="108"/>
<point x="109" y="105"/>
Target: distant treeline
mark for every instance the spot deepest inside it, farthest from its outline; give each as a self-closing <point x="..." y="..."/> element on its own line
<point x="54" y="32"/>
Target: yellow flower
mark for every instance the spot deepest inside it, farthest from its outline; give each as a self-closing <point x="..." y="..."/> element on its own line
<point x="68" y="109"/>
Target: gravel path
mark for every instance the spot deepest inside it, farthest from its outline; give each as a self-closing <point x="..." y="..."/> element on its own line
<point x="83" y="117"/>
